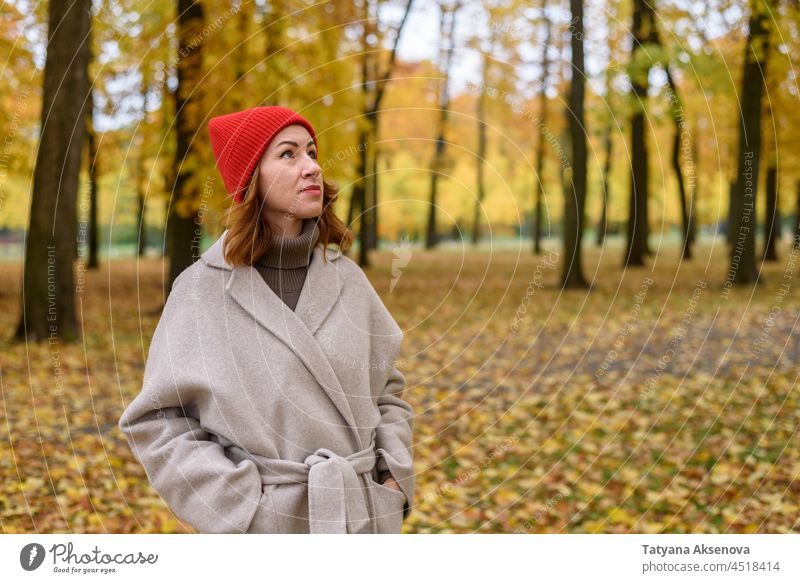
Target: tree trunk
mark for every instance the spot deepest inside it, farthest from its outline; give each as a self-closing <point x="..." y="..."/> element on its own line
<point x="676" y="166"/>
<point x="141" y="230"/>
<point x="48" y="290"/>
<point x="353" y="207"/>
<point x="372" y="206"/>
<point x="170" y="172"/>
<point x="373" y="87"/>
<point x="376" y="157"/>
<point x="540" y="145"/>
<point x="362" y="189"/>
<point x="446" y="28"/>
<point x="732" y="210"/>
<point x="183" y="229"/>
<point x="574" y="205"/>
<point x="772" y="221"/>
<point x="773" y="218"/>
<point x="364" y="221"/>
<point x="678" y="119"/>
<point x="481" y="154"/>
<point x="602" y="224"/>
<point x="797" y="219"/>
<point x="693" y="206"/>
<point x="431" y="235"/>
<point x="743" y="265"/>
<point x="93" y="243"/>
<point x="638" y="227"/>
<point x="358" y="199"/>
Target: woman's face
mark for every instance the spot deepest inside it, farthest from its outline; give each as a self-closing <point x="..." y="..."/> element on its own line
<point x="291" y="180"/>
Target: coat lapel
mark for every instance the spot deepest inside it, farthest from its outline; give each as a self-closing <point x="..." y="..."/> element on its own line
<point x="296" y="329"/>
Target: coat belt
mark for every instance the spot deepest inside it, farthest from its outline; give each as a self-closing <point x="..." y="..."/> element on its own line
<point x="336" y="498"/>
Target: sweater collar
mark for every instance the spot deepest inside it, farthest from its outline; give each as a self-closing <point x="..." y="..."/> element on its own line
<point x="214" y="256"/>
<point x="292" y="252"/>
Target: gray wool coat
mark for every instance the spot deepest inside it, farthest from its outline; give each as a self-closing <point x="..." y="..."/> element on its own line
<point x="256" y="418"/>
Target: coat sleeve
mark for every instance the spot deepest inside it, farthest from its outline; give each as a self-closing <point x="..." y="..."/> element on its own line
<point x="393" y="435"/>
<point x="162" y="424"/>
<point x="393" y="440"/>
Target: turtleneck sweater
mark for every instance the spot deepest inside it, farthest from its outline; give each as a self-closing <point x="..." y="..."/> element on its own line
<point x="285" y="265"/>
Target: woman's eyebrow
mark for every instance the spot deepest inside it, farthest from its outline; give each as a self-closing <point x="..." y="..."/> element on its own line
<point x="310" y="142"/>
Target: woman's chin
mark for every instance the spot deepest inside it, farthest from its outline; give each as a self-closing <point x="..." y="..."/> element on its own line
<point x="309" y="211"/>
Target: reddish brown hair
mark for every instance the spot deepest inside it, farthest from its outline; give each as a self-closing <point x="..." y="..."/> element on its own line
<point x="250" y="236"/>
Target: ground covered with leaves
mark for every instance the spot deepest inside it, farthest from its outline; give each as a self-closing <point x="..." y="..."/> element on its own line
<point x="657" y="402"/>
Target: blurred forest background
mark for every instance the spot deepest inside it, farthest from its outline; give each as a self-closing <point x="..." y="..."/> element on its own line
<point x="566" y="205"/>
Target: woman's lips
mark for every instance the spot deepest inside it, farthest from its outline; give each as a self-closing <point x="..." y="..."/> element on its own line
<point x="313" y="190"/>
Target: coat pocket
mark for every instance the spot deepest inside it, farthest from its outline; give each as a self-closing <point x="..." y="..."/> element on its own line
<point x="389" y="505"/>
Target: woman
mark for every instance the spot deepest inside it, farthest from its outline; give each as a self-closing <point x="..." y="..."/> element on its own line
<point x="271" y="400"/>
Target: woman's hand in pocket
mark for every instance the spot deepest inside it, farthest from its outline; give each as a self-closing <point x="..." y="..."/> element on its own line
<point x="390" y="482"/>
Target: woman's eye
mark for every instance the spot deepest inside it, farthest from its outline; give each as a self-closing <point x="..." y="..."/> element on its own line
<point x="313" y="154"/>
<point x="284" y="153"/>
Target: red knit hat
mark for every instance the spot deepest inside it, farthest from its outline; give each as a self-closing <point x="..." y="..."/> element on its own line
<point x="239" y="140"/>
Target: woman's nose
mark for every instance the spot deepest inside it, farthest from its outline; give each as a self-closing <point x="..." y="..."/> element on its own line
<point x="312" y="167"/>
